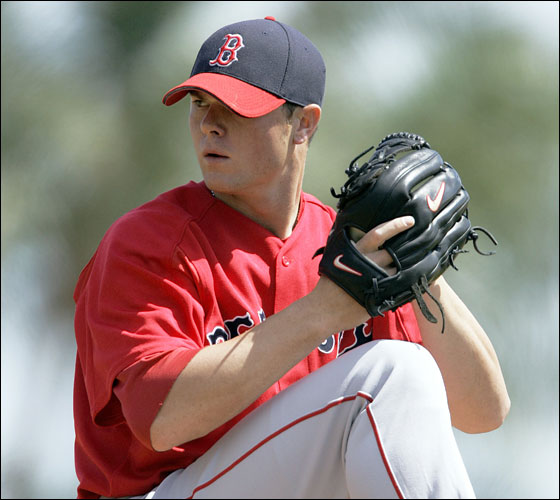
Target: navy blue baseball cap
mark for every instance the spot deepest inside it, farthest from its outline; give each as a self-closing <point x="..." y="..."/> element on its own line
<point x="256" y="66"/>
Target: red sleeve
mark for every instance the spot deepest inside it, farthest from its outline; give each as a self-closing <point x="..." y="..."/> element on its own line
<point x="138" y="323"/>
<point x="141" y="389"/>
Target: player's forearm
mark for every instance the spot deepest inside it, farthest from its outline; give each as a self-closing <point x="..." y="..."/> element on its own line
<point x="476" y="391"/>
<point x="223" y="379"/>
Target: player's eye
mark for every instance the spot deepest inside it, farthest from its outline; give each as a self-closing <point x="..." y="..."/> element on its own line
<point x="197" y="102"/>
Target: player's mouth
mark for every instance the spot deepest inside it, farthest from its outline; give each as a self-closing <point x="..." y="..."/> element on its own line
<point x="214" y="155"/>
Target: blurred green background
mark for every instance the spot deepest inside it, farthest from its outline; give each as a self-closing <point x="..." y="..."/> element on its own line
<point x="85" y="138"/>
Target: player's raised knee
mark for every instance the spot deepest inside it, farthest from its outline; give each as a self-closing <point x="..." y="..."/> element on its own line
<point x="406" y="365"/>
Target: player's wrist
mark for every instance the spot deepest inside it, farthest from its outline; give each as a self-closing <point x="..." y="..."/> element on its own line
<point x="335" y="309"/>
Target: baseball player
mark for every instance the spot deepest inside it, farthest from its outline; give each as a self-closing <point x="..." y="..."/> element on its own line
<point x="213" y="361"/>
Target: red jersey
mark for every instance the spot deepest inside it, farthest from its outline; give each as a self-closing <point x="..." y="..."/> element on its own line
<point x="178" y="273"/>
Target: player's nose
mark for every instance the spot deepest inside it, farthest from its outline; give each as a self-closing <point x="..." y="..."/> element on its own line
<point x="214" y="121"/>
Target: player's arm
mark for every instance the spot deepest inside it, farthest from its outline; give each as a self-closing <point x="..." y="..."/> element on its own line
<point x="476" y="391"/>
<point x="405" y="175"/>
<point x="223" y="379"/>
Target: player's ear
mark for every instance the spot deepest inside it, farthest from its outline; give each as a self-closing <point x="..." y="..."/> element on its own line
<point x="307" y="121"/>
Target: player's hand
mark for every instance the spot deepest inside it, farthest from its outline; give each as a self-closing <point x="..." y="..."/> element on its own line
<point x="338" y="307"/>
<point x="369" y="243"/>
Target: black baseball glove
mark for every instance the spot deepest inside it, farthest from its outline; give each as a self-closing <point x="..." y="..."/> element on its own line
<point x="404" y="176"/>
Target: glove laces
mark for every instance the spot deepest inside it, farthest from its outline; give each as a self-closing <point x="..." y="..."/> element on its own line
<point x="473" y="235"/>
<point x="422" y="287"/>
<point x="353" y="172"/>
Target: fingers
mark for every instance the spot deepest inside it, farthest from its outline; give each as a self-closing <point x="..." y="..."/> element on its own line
<point x="372" y="240"/>
<point x="381" y="258"/>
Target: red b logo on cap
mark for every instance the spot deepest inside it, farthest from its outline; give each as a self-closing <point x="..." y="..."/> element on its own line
<point x="228" y="51"/>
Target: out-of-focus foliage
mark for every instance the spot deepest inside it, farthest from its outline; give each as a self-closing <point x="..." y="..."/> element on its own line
<point x="85" y="138"/>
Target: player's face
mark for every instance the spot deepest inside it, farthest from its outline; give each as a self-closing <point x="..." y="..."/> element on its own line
<point x="239" y="156"/>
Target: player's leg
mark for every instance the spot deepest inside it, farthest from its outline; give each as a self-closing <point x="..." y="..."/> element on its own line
<point x="374" y="423"/>
<point x="409" y="417"/>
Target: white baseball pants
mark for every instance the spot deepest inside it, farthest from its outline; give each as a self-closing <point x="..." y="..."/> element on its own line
<point x="373" y="423"/>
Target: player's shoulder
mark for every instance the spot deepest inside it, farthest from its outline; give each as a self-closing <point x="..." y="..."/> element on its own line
<point x="317" y="207"/>
<point x="147" y="236"/>
<point x="160" y="222"/>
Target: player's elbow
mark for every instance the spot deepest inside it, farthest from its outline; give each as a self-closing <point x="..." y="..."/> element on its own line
<point x="159" y="437"/>
<point x="164" y="441"/>
<point x="501" y="412"/>
<point x="164" y="435"/>
<point x="160" y="442"/>
<point x="487" y="418"/>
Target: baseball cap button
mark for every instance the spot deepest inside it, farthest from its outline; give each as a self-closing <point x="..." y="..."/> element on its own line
<point x="270" y="18"/>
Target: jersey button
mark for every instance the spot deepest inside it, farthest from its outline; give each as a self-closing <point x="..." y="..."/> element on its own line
<point x="286" y="261"/>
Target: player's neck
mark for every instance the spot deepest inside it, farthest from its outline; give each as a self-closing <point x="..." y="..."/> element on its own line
<point x="277" y="214"/>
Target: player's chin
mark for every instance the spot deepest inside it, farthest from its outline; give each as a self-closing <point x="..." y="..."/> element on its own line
<point x="216" y="165"/>
<point x="220" y="182"/>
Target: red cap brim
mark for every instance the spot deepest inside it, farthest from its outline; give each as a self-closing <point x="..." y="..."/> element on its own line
<point x="242" y="98"/>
